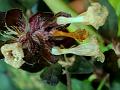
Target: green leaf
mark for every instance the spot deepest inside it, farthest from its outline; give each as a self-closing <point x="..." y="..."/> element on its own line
<point x="110" y="29"/>
<point x="115" y="86"/>
<point x="10" y="4"/>
<point x="52" y="74"/>
<point x="116" y="5"/>
<point x="27" y="3"/>
<point x="5" y="5"/>
<point x="81" y="66"/>
<point x="81" y="85"/>
<point x="5" y="81"/>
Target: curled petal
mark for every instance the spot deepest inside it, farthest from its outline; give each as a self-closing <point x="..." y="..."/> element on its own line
<point x="13" y="54"/>
<point x="79" y="35"/>
<point x="96" y="15"/>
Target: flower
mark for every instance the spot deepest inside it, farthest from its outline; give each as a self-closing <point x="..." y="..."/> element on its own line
<point x="96" y="16"/>
<point x="33" y="37"/>
<point x="13" y="54"/>
<point x="90" y="48"/>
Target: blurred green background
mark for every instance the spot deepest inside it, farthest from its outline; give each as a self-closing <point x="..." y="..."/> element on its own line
<point x="14" y="79"/>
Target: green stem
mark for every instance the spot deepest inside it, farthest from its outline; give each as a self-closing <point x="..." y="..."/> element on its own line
<point x="103" y="82"/>
<point x="68" y="76"/>
<point x="59" y="6"/>
<point x="92" y="77"/>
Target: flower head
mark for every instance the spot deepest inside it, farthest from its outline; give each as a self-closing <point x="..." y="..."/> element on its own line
<point x="13" y="54"/>
<point x="34" y="39"/>
<point x="86" y="49"/>
<point x="96" y="16"/>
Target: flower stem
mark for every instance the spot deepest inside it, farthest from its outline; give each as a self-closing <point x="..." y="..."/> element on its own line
<point x="103" y="82"/>
<point x="68" y="75"/>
